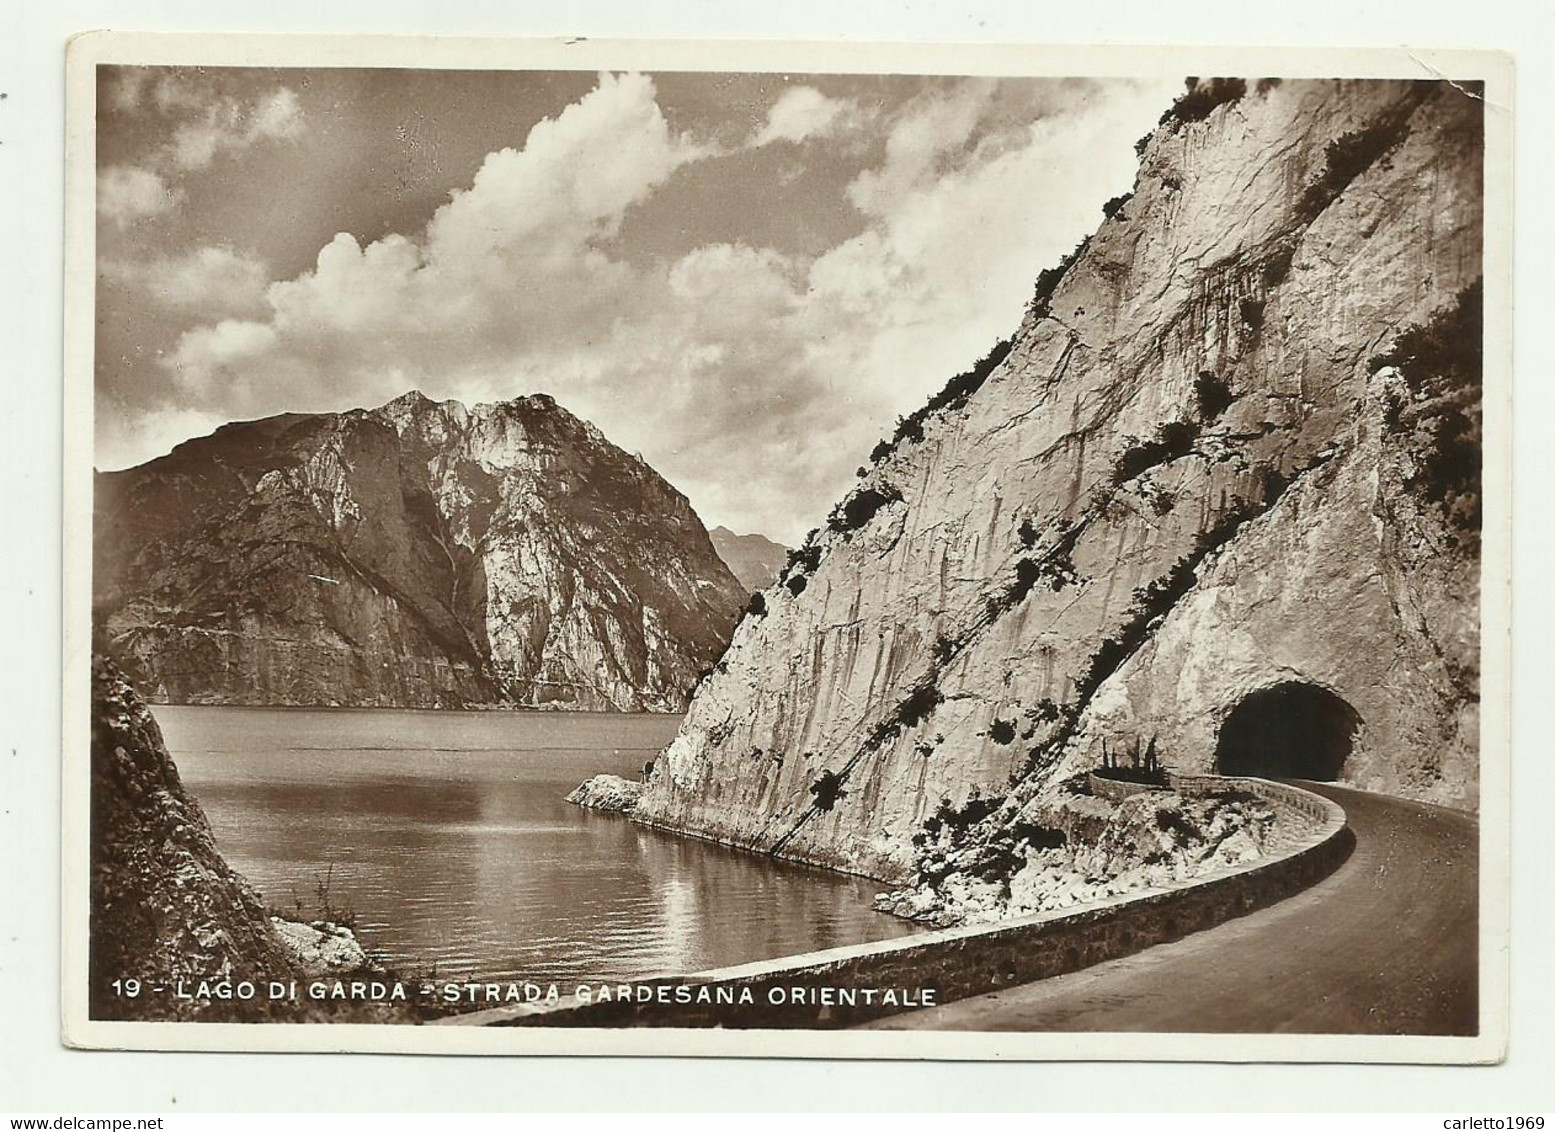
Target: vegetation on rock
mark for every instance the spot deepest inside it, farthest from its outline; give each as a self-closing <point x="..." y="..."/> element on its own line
<point x="855" y="511"/>
<point x="1439" y="412"/>
<point x="1201" y="99"/>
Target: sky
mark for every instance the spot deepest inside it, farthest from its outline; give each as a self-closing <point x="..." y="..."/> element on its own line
<point x="745" y="278"/>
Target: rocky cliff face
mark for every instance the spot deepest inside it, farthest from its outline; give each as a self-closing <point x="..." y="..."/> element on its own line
<point x="1220" y="488"/>
<point x="165" y="905"/>
<point x="169" y="913"/>
<point x="419" y="554"/>
<point x="755" y="559"/>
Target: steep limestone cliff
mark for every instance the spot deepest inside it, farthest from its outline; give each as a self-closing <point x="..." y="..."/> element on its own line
<point x="419" y="554"/>
<point x="1219" y="488"/>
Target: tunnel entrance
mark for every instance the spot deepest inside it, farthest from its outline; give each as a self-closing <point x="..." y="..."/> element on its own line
<point x="1292" y="730"/>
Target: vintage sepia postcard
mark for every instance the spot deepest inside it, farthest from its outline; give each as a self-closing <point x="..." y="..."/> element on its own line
<point x="786" y="549"/>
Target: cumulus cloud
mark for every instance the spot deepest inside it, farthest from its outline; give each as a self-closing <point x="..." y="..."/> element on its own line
<point x="802" y="113"/>
<point x="213" y="279"/>
<point x="754" y="379"/>
<point x="156" y="430"/>
<point x="126" y="193"/>
<point x="200" y="127"/>
<point x="931" y="127"/>
<point x="126" y="87"/>
<point x="234" y="125"/>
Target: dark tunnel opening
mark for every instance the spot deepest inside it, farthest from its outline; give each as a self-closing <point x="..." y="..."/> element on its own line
<point x="1292" y="730"/>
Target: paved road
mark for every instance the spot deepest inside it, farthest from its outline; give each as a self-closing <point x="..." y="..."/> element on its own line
<point x="1387" y="944"/>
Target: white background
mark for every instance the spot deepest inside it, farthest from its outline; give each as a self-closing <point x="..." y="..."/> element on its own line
<point x="36" y="1074"/>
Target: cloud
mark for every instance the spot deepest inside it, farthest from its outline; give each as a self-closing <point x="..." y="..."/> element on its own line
<point x="930" y="127"/>
<point x="203" y="126"/>
<point x="753" y="379"/>
<point x="159" y="89"/>
<point x="513" y="261"/>
<point x="157" y="430"/>
<point x="278" y="115"/>
<point x="231" y="125"/>
<point x="126" y="193"/>
<point x="126" y="86"/>
<point x="572" y="181"/>
<point x="802" y="113"/>
<point x="211" y="280"/>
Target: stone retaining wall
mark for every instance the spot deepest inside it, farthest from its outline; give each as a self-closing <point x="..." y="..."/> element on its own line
<point x="960" y="962"/>
<point x="1116" y="789"/>
<point x="1277" y="794"/>
<point x="1197" y="785"/>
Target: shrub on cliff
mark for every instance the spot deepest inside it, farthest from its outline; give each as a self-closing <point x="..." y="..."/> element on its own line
<point x="963" y="385"/>
<point x="802" y="562"/>
<point x="1049" y="278"/>
<point x="1172" y="441"/>
<point x="827" y="790"/>
<point x="959" y="819"/>
<point x="913" y="709"/>
<point x="920" y="702"/>
<point x="1212" y="393"/>
<point x="1056" y="571"/>
<point x="956" y="392"/>
<point x="909" y="428"/>
<point x="1347" y="157"/>
<point x="806" y="558"/>
<point x="1115" y="205"/>
<point x="944" y="650"/>
<point x="1201" y="99"/>
<point x="1441" y="363"/>
<point x="859" y="508"/>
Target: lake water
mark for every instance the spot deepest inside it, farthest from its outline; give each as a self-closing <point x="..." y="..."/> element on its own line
<point x="447" y="835"/>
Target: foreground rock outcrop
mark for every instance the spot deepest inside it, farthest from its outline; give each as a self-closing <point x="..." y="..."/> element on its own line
<point x="322" y="948"/>
<point x="1219" y="488"/>
<point x="165" y="905"/>
<point x="419" y="554"/>
<point x="608" y="792"/>
<point x="169" y="913"/>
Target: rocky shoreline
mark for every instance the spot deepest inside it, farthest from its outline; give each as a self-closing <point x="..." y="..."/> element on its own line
<point x="1073" y="846"/>
<point x="323" y="949"/>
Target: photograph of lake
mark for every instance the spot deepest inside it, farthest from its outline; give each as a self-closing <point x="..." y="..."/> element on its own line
<point x="447" y="835"/>
<point x="943" y="550"/>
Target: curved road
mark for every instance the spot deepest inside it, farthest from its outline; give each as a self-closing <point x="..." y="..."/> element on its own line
<point x="1386" y="944"/>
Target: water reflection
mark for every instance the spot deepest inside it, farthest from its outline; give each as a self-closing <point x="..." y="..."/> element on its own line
<point x="448" y="836"/>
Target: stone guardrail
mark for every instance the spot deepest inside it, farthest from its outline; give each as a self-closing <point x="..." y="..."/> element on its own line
<point x="825" y="989"/>
<point x="1118" y="789"/>
<point x="1275" y="793"/>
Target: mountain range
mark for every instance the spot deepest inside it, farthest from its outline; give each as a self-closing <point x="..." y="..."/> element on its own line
<point x="755" y="559"/>
<point x="419" y="554"/>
